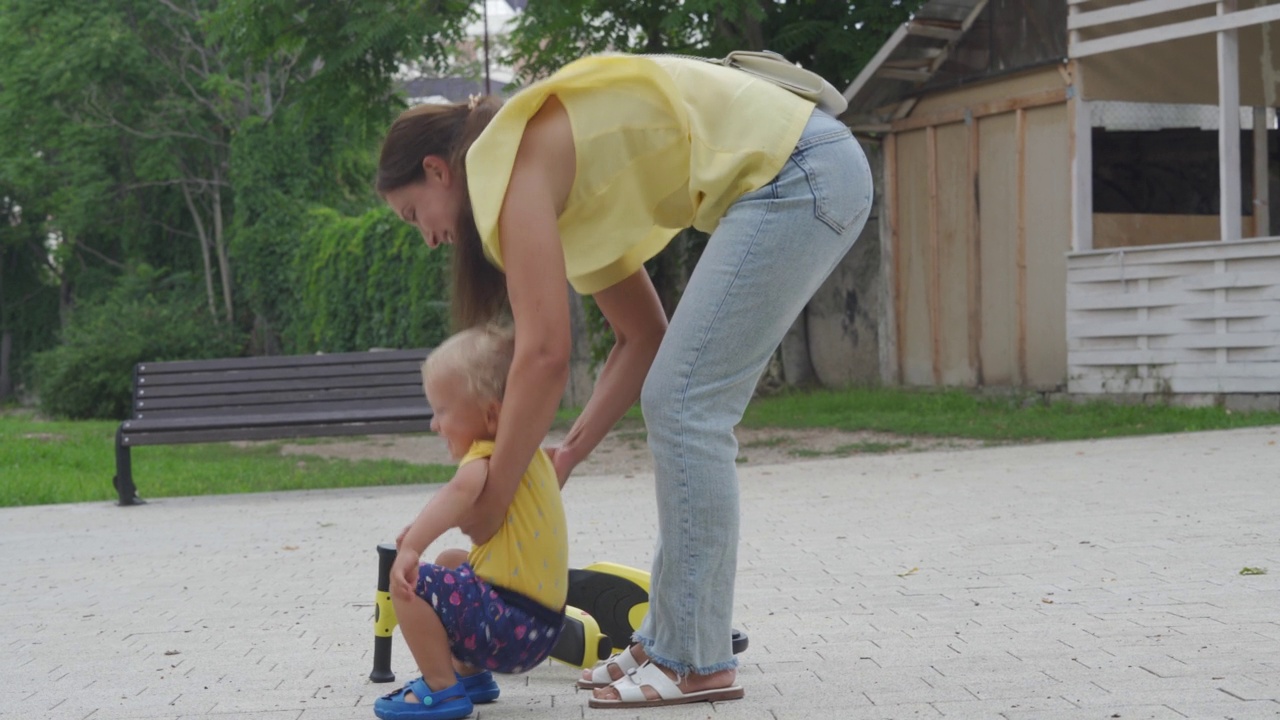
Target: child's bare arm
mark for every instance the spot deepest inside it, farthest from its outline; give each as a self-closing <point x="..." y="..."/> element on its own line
<point x="447" y="508"/>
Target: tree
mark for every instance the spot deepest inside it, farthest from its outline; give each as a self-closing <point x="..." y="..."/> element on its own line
<point x="349" y="50"/>
<point x="125" y="145"/>
<point x="223" y="68"/>
<point x="316" y="149"/>
<point x="28" y="294"/>
<point x="189" y="136"/>
<point x="93" y="143"/>
<point x="63" y="220"/>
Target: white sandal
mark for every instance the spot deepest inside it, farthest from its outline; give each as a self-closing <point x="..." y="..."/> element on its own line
<point x="600" y="676"/>
<point x="631" y="691"/>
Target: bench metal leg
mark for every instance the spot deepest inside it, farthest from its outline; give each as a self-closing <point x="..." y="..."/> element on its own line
<point x="384" y="617"/>
<point x="124" y="473"/>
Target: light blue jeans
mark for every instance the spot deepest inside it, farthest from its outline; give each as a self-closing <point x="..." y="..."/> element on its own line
<point x="770" y="253"/>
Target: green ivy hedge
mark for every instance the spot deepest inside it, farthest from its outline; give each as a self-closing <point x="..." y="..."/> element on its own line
<point x="344" y="283"/>
<point x="363" y="282"/>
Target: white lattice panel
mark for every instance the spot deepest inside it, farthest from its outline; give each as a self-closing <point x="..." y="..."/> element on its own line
<point x="1188" y="318"/>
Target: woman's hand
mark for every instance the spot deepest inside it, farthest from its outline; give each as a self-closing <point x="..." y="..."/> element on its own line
<point x="562" y="460"/>
<point x="404" y="575"/>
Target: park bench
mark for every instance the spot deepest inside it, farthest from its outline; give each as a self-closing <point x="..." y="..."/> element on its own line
<point x="270" y="398"/>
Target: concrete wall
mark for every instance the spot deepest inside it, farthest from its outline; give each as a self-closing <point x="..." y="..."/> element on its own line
<point x="842" y="321"/>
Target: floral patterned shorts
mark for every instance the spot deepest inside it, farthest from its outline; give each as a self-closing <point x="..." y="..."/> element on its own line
<point x="489" y="627"/>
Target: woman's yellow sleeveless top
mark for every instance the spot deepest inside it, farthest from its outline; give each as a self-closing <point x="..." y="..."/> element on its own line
<point x="662" y="144"/>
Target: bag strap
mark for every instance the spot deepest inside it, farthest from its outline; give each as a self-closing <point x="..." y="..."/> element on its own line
<point x="774" y="68"/>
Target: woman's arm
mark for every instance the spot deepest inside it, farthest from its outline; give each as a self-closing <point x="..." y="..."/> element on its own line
<point x="638" y="321"/>
<point x="536" y="281"/>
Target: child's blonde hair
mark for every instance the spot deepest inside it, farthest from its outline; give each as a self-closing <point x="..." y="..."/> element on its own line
<point x="481" y="354"/>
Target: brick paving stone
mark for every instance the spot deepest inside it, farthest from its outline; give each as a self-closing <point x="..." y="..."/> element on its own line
<point x="1125" y="712"/>
<point x="1063" y="581"/>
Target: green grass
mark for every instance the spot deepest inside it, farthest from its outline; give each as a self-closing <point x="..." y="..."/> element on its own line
<point x="955" y="413"/>
<point x="860" y="448"/>
<point x="769" y="442"/>
<point x="60" y="462"/>
<point x="870" y="448"/>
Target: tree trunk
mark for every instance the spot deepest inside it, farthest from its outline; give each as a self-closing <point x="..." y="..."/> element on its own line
<point x="220" y="243"/>
<point x="6" y="379"/>
<point x="204" y="248"/>
<point x="66" y="299"/>
<point x="581" y="377"/>
<point x="6" y="340"/>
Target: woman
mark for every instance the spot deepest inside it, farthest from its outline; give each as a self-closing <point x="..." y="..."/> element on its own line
<point x="581" y="178"/>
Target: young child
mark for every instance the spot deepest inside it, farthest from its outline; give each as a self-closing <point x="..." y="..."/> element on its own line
<point x="499" y="607"/>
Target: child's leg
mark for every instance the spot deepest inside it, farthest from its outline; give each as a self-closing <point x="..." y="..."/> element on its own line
<point x="427" y="641"/>
<point x="453" y="558"/>
<point x="465" y="669"/>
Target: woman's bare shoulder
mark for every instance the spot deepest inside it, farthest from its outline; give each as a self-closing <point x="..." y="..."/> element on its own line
<point x="547" y="145"/>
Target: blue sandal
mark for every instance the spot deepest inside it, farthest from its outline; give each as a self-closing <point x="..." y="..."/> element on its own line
<point x="481" y="687"/>
<point x="451" y="703"/>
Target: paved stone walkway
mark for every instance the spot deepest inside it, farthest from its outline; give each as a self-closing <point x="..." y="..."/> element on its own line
<point x="1076" y="580"/>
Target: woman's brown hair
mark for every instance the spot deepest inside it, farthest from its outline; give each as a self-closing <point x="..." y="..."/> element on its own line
<point x="479" y="290"/>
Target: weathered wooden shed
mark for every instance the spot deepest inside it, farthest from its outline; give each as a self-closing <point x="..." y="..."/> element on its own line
<point x="1053" y="182"/>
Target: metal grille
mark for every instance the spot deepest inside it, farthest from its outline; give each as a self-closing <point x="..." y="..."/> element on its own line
<point x="1131" y="116"/>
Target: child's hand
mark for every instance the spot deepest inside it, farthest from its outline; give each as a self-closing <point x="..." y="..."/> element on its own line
<point x="404" y="575"/>
<point x="400" y="537"/>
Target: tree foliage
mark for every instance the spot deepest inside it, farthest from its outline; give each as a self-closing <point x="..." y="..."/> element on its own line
<point x="67" y="221"/>
<point x="369" y="281"/>
<point x="345" y="53"/>
<point x="192" y="135"/>
<point x="834" y="38"/>
<point x="28" y="298"/>
<point x="150" y="315"/>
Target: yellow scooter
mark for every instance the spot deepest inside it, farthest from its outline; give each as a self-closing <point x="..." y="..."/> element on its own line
<point x="606" y="603"/>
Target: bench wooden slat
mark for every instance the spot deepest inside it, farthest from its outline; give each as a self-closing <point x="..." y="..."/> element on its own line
<point x="408" y="369"/>
<point x="413" y="405"/>
<point x="267" y="402"/>
<point x="272" y="361"/>
<point x="247" y="387"/>
<point x="325" y="417"/>
<point x="278" y="432"/>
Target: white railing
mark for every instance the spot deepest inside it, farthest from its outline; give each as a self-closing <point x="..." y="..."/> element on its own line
<point x="1161" y="20"/>
<point x="1187" y="318"/>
